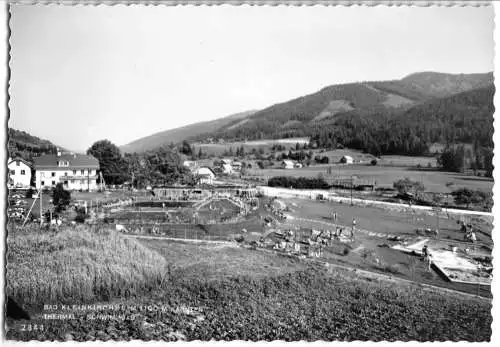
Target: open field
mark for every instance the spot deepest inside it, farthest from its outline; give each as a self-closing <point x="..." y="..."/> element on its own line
<point x="384" y="224"/>
<point x="401" y="160"/>
<point x="219" y="149"/>
<point x="433" y="181"/>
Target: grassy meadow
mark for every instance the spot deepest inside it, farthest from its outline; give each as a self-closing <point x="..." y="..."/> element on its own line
<point x="76" y="264"/>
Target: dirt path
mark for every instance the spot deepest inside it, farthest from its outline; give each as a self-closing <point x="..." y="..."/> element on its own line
<point x="180" y="239"/>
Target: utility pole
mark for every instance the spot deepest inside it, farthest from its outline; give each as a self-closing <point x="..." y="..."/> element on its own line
<point x="351" y="188"/>
<point x="41" y="215"/>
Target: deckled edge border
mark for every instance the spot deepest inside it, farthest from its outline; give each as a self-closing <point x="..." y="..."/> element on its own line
<point x="424" y="3"/>
<point x="7" y="57"/>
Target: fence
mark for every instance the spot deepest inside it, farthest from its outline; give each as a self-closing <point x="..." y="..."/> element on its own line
<point x="176" y="231"/>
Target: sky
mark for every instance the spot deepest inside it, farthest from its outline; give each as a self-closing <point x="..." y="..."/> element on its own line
<point x="85" y="73"/>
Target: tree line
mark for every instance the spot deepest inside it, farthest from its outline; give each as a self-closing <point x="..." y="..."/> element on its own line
<point x="161" y="166"/>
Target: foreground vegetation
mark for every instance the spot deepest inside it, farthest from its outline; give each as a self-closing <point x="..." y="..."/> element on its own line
<point x="309" y="303"/>
<point x="76" y="265"/>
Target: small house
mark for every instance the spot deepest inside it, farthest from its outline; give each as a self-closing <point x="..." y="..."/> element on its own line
<point x="204" y="175"/>
<point x="347" y="159"/>
<point x="226" y="161"/>
<point x="227" y="169"/>
<point x="287" y="164"/>
<point x="298" y="165"/>
<point x="19" y="173"/>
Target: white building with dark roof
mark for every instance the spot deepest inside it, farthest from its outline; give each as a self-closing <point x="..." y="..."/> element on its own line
<point x="19" y="173"/>
<point x="74" y="171"/>
<point x="204" y="175"/>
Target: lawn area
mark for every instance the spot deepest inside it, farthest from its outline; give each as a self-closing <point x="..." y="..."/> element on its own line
<point x="215" y="261"/>
<point x="384" y="222"/>
<point x="385" y="176"/>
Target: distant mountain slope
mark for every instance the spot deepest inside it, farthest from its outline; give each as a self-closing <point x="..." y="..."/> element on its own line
<point x="27" y="146"/>
<point x="182" y="133"/>
<point x="325" y="105"/>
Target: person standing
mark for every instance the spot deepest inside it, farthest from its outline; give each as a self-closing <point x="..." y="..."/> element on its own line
<point x="353" y="227"/>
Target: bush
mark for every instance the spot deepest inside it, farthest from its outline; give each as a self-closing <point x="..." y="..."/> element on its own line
<point x="298" y="182"/>
<point x="374" y="162"/>
<point x="81" y="216"/>
<point x="391" y="268"/>
<point x="346" y="251"/>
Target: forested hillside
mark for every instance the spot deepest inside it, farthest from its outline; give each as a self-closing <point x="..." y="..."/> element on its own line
<point x="463" y="118"/>
<point x="384" y="100"/>
<point x="22" y="144"/>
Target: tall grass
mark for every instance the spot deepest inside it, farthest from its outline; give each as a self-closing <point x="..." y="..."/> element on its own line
<point x="77" y="265"/>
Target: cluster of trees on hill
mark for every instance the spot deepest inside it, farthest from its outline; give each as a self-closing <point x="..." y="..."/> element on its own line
<point x="162" y="166"/>
<point x="457" y="158"/>
<point x="21" y="144"/>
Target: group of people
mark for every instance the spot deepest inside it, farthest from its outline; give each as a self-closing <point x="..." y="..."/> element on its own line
<point x="339" y="229"/>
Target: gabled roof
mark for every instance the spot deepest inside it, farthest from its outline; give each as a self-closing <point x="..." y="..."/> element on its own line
<point x="49" y="161"/>
<point x="206" y="169"/>
<point x="20" y="159"/>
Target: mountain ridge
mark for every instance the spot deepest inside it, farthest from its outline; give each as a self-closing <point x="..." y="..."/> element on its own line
<point x="285" y="119"/>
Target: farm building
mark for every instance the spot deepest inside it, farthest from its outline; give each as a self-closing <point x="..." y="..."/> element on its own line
<point x="227" y="169"/>
<point x="236" y="166"/>
<point x="204" y="175"/>
<point x="298" y="165"/>
<point x="347" y="159"/>
<point x="74" y="171"/>
<point x="287" y="164"/>
<point x="19" y="173"/>
<point x="190" y="164"/>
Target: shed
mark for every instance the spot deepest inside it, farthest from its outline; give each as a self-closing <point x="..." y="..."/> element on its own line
<point x="347" y="159"/>
<point x="287" y="164"/>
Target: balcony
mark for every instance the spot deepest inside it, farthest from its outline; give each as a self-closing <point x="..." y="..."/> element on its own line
<point x="78" y="177"/>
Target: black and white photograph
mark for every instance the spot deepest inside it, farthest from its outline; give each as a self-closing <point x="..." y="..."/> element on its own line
<point x="249" y="173"/>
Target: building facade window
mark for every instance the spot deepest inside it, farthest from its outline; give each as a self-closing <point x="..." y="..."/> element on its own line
<point x="53" y="174"/>
<point x="74" y="172"/>
<point x="23" y="172"/>
<point x="72" y="181"/>
<point x="42" y="183"/>
<point x="18" y="163"/>
<point x="82" y="172"/>
<point x="65" y="174"/>
<point x="12" y="172"/>
<point x="53" y="183"/>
